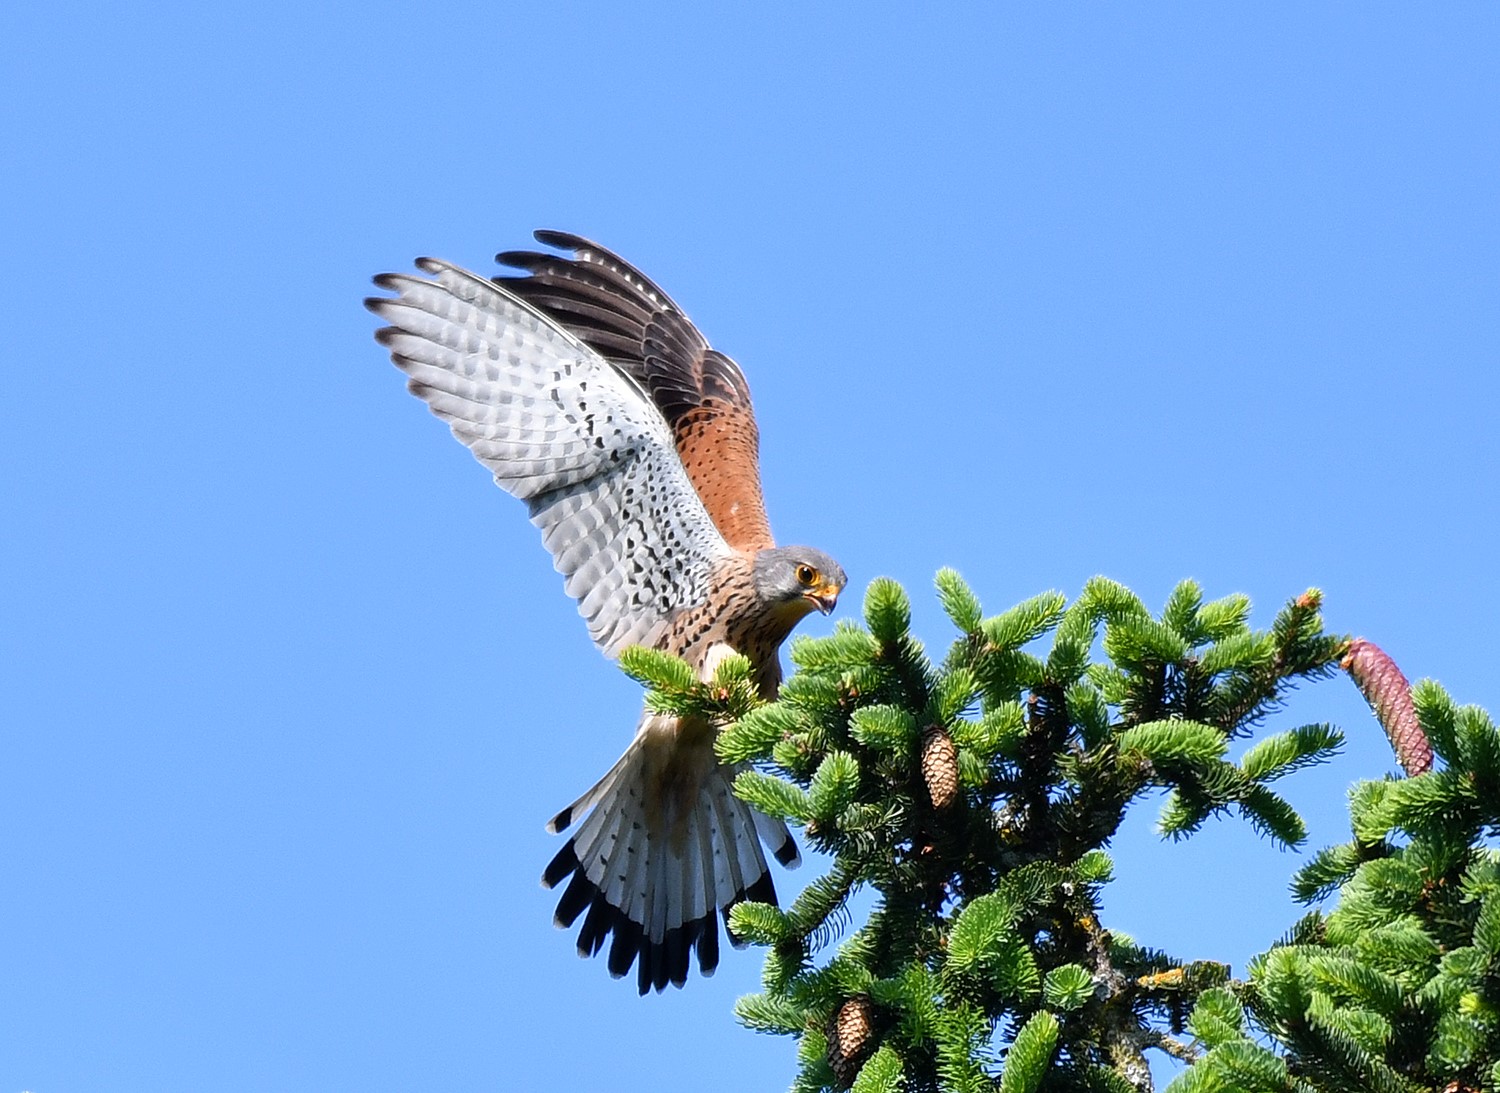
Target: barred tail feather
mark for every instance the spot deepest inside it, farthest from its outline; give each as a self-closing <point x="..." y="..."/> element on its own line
<point x="778" y="839"/>
<point x="653" y="889"/>
<point x="564" y="819"/>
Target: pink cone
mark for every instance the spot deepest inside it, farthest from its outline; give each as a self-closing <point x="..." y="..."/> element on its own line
<point x="1389" y="695"/>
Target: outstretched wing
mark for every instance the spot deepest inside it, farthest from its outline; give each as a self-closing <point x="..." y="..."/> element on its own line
<point x="702" y="393"/>
<point x="573" y="436"/>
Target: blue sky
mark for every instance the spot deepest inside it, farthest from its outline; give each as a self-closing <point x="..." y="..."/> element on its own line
<point x="1036" y="291"/>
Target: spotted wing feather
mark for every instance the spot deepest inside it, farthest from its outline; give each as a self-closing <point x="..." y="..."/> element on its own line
<point x="572" y="435"/>
<point x="701" y="392"/>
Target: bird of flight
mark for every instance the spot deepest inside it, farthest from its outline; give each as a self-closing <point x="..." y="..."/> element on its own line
<point x="592" y="397"/>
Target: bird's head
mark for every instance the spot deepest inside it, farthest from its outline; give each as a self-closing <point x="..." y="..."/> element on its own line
<point x="798" y="577"/>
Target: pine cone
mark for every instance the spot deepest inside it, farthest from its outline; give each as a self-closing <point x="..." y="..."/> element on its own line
<point x="940" y="767"/>
<point x="849" y="1039"/>
<point x="1389" y="695"/>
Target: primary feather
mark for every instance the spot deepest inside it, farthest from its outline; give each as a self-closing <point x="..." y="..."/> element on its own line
<point x="567" y="432"/>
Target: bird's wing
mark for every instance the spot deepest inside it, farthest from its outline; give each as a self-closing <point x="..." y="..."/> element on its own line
<point x="702" y="393"/>
<point x="567" y="432"/>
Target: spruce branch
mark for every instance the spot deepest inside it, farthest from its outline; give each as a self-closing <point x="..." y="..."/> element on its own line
<point x="974" y="798"/>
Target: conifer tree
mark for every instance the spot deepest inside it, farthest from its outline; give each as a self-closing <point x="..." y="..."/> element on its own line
<point x="1398" y="988"/>
<point x="976" y="796"/>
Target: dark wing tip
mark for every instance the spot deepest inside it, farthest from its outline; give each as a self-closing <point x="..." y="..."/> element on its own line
<point x="787" y="854"/>
<point x="523" y="259"/>
<point x="561" y="821"/>
<point x="563" y="240"/>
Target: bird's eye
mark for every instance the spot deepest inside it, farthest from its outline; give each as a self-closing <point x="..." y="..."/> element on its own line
<point x="806" y="575"/>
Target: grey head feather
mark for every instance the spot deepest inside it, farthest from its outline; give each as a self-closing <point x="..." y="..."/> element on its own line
<point x="789" y="574"/>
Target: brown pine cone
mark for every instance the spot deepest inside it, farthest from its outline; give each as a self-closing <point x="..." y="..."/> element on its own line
<point x="849" y="1039"/>
<point x="940" y="767"/>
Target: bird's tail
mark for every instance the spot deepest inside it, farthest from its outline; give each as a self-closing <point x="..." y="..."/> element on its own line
<point x="665" y="849"/>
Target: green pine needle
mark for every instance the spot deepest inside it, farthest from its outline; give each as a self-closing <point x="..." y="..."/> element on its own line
<point x="1243" y="1067"/>
<point x="1479" y="745"/>
<point x="958" y="601"/>
<point x="1181" y="611"/>
<point x="1094" y="867"/>
<point x="833" y="786"/>
<point x="1370" y="810"/>
<point x="1069" y="658"/>
<point x="1293" y="750"/>
<point x="1438" y="716"/>
<point x="1030" y="1054"/>
<point x="978" y="929"/>
<point x="762" y="923"/>
<point x="1357" y="982"/>
<point x="822" y="900"/>
<point x="1487" y="925"/>
<point x="998" y="732"/>
<point x="1135" y="643"/>
<point x="1223" y="618"/>
<point x="887" y="610"/>
<point x="955" y="692"/>
<point x="1273" y="816"/>
<point x="881" y="1073"/>
<point x="846" y="648"/>
<point x="1111" y="600"/>
<point x="1072" y="643"/>
<point x="773" y="796"/>
<point x="1098" y="1078"/>
<point x="1025" y="622"/>
<point x="753" y="736"/>
<point x="887" y="729"/>
<point x="1243" y="651"/>
<point x="960" y="1034"/>
<point x="1455" y="1042"/>
<point x="1329" y="868"/>
<point x="1005" y="675"/>
<point x="658" y="670"/>
<point x="733" y="671"/>
<point x="1180" y="818"/>
<point x="1067" y="986"/>
<point x="812" y="1054"/>
<point x="814" y="692"/>
<point x="1218" y="1017"/>
<point x="763" y="1013"/>
<point x="1090" y="712"/>
<point x="1113" y="684"/>
<point x="1190" y="742"/>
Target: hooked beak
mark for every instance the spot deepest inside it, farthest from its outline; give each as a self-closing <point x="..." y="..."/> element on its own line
<point x="824" y="597"/>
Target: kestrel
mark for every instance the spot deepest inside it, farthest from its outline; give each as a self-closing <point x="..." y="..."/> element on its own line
<point x="592" y="397"/>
